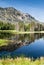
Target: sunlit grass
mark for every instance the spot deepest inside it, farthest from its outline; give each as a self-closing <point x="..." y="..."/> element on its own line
<point x="21" y="61"/>
<point x="20" y="32"/>
<point x="4" y="42"/>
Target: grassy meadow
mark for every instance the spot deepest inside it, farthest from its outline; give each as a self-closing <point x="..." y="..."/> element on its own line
<point x="20" y="32"/>
<point x="21" y="61"/>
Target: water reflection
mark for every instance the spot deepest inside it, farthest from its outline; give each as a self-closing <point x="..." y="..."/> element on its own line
<point x="27" y="37"/>
<point x="31" y="45"/>
<point x="35" y="49"/>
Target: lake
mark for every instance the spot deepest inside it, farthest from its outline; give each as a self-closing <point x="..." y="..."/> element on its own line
<point x="35" y="47"/>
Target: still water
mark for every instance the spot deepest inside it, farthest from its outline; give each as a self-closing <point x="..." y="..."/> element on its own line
<point x="34" y="49"/>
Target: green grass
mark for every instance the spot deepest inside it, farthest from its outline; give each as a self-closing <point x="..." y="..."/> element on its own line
<point x="21" y="61"/>
<point x="4" y="42"/>
<point x="20" y="32"/>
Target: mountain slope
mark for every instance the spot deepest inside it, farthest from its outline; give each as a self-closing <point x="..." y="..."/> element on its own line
<point x="10" y="14"/>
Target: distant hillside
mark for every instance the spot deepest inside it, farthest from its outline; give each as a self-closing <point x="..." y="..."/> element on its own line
<point x="10" y="14"/>
<point x="21" y="21"/>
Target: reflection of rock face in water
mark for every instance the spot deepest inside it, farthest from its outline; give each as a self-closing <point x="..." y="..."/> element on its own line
<point x="13" y="46"/>
<point x="35" y="50"/>
<point x="20" y="40"/>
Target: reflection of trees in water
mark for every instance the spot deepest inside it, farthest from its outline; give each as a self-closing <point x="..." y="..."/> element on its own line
<point x="22" y="37"/>
<point x="30" y="37"/>
<point x="38" y="35"/>
<point x="20" y="40"/>
<point x="5" y="35"/>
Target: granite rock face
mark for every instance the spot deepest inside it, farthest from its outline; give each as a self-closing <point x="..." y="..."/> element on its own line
<point x="10" y="14"/>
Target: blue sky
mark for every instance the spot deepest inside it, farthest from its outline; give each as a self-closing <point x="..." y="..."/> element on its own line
<point x="33" y="7"/>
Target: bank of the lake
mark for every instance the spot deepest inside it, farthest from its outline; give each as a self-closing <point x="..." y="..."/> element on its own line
<point x="22" y="61"/>
<point x="20" y="32"/>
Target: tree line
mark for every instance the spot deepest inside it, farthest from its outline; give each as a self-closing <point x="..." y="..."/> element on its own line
<point x="6" y="26"/>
